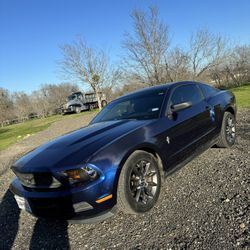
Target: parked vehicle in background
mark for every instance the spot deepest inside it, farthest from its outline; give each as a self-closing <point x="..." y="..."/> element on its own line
<point x="78" y="101"/>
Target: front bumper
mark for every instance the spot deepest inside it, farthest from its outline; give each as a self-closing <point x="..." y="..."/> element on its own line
<point x="78" y="205"/>
<point x="79" y="219"/>
<point x="68" y="110"/>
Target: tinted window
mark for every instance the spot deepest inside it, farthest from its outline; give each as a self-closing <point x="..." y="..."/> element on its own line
<point x="208" y="90"/>
<point x="186" y="93"/>
<point x="141" y="106"/>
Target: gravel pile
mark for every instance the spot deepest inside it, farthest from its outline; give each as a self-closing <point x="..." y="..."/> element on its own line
<point x="205" y="205"/>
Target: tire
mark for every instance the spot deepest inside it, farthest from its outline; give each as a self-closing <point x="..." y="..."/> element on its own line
<point x="91" y="107"/>
<point x="78" y="110"/>
<point x="139" y="183"/>
<point x="104" y="103"/>
<point x="228" y="131"/>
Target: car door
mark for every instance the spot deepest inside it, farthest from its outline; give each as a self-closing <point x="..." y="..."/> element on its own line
<point x="187" y="127"/>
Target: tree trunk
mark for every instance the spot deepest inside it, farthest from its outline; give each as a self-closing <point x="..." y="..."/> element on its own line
<point x="98" y="99"/>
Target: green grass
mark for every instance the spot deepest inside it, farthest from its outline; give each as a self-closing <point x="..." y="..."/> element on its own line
<point x="242" y="96"/>
<point x="13" y="133"/>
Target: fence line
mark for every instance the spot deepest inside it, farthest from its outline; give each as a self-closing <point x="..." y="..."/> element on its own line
<point x="19" y="120"/>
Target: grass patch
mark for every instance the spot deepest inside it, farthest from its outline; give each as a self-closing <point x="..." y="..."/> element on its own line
<point x="242" y="96"/>
<point x="13" y="133"/>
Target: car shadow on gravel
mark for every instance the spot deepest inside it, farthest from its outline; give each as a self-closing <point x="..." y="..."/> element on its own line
<point x="9" y="216"/>
<point x="47" y="234"/>
<point x="50" y="234"/>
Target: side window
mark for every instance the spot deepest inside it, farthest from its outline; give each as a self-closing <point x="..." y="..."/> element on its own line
<point x="208" y="90"/>
<point x="186" y="93"/>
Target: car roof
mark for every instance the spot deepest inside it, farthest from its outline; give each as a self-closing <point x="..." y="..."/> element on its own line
<point x="147" y="90"/>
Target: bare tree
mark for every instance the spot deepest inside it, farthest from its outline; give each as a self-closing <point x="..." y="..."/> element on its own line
<point x="86" y="65"/>
<point x="56" y="94"/>
<point x="127" y="88"/>
<point x="146" y="47"/>
<point x="50" y="97"/>
<point x="206" y="51"/>
<point x="234" y="71"/>
<point x="40" y="103"/>
<point x="6" y="105"/>
<point x="177" y="65"/>
<point x="23" y="105"/>
<point x="238" y="66"/>
<point x="115" y="78"/>
<point x="217" y="74"/>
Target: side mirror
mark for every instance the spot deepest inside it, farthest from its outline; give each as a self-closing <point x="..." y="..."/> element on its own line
<point x="180" y="106"/>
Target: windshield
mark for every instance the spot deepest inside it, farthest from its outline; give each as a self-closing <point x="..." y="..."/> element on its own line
<point x="75" y="96"/>
<point x="140" y="106"/>
<point x="71" y="97"/>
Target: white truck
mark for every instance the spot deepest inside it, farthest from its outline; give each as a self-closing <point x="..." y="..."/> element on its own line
<point x="78" y="101"/>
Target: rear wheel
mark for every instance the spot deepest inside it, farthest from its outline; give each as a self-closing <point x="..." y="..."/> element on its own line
<point x="139" y="183"/>
<point x="228" y="131"/>
<point x="104" y="103"/>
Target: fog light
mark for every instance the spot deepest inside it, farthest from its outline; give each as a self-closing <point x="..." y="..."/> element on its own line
<point x="81" y="206"/>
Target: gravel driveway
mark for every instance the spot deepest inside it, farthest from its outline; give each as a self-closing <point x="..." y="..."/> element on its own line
<point x="205" y="205"/>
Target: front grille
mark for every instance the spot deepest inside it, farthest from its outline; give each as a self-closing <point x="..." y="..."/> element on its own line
<point x="38" y="180"/>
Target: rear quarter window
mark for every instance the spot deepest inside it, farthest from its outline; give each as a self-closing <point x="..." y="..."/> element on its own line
<point x="208" y="91"/>
<point x="186" y="93"/>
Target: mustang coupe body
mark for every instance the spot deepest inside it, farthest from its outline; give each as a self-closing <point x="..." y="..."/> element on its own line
<point x="121" y="158"/>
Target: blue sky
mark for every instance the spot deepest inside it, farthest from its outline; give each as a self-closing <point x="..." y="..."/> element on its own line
<point x="32" y="30"/>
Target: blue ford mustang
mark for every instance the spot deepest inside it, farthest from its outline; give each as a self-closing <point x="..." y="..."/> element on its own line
<point x="120" y="159"/>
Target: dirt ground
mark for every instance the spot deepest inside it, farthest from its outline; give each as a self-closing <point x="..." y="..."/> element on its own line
<point x="205" y="205"/>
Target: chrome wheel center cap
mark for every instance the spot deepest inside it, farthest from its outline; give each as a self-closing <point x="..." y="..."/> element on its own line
<point x="143" y="182"/>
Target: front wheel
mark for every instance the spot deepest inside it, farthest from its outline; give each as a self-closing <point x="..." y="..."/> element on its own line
<point x="78" y="110"/>
<point x="228" y="131"/>
<point x="139" y="183"/>
<point x="91" y="107"/>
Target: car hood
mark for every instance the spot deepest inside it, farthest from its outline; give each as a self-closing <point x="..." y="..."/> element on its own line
<point x="76" y="147"/>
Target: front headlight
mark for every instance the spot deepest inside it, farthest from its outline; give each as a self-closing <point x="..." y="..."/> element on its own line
<point x="83" y="174"/>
